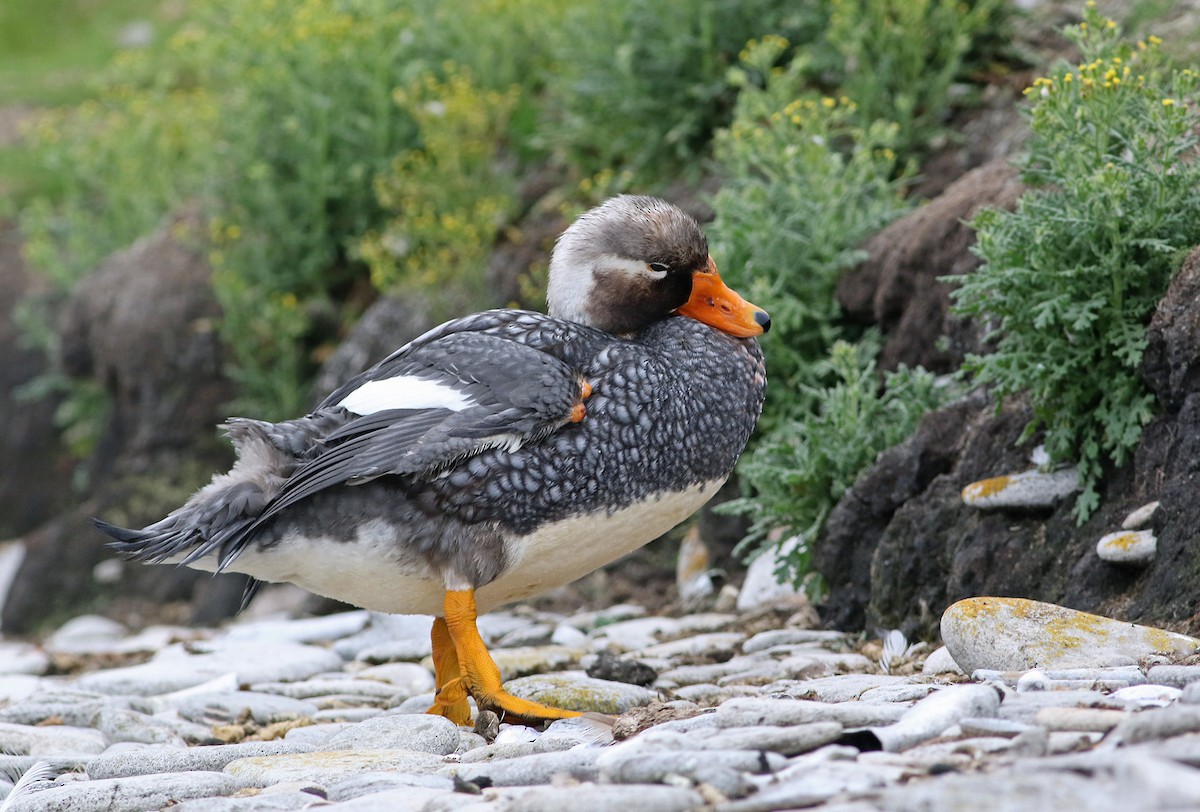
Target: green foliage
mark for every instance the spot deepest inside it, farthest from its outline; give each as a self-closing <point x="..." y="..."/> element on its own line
<point x="452" y="195"/>
<point x="805" y="183"/>
<point x="898" y="58"/>
<point x="1072" y="276"/>
<point x="643" y="84"/>
<point x="278" y="118"/>
<point x="800" y="470"/>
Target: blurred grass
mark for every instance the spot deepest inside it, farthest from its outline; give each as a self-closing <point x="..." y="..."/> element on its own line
<point x="49" y="49"/>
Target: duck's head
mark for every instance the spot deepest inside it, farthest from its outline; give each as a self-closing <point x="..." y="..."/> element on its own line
<point x="636" y="260"/>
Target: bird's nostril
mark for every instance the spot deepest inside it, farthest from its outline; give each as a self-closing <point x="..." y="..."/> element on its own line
<point x="762" y="320"/>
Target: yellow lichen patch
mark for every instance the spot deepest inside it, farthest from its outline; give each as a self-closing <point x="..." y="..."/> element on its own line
<point x="1123" y="541"/>
<point x="1170" y="643"/>
<point x="985" y="488"/>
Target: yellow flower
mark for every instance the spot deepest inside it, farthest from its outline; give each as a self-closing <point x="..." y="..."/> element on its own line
<point x="1153" y="40"/>
<point x="1168" y="102"/>
<point x="829" y="103"/>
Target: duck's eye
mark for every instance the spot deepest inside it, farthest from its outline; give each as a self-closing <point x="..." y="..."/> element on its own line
<point x="659" y="267"/>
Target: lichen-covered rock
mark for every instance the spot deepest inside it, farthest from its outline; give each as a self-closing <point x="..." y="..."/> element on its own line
<point x="1014" y="634"/>
<point x="581" y="693"/>
<point x="1128" y="547"/>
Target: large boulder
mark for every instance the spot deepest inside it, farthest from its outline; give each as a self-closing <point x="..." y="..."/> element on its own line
<point x="901" y="546"/>
<point x="899" y="286"/>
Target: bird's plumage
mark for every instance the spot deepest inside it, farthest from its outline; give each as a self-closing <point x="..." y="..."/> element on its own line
<point x="503" y="453"/>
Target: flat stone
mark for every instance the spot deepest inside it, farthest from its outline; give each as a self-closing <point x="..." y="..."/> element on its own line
<point x="827" y="663"/>
<point x="366" y="784"/>
<point x="15" y="688"/>
<point x="125" y="794"/>
<point x="700" y="645"/>
<point x="988" y="726"/>
<point x="750" y="712"/>
<point x="352" y="715"/>
<point x="316" y="734"/>
<point x="323" y="687"/>
<point x="940" y="661"/>
<point x="52" y="740"/>
<point x="1146" y="696"/>
<point x="168" y="759"/>
<point x="262" y="708"/>
<point x="328" y="767"/>
<point x="1128" y="547"/>
<point x="710" y="695"/>
<point x="934" y="714"/>
<point x="900" y="692"/>
<point x="178" y="667"/>
<point x="573" y="691"/>
<point x="761" y="588"/>
<point x="281" y="802"/>
<point x="1086" y="720"/>
<point x="843" y="688"/>
<point x="789" y="741"/>
<point x="1028" y="489"/>
<point x="306" y="630"/>
<point x="710" y="673"/>
<point x="723" y="769"/>
<point x="120" y="725"/>
<point x="1177" y="676"/>
<point x="408" y="679"/>
<point x="1141" y="517"/>
<point x="22" y="658"/>
<point x="782" y="637"/>
<point x="1014" y="634"/>
<point x="84" y="633"/>
<point x="541" y="768"/>
<point x="411" y="631"/>
<point x="1156" y="724"/>
<point x="426" y="733"/>
<point x="813" y="779"/>
<point x="601" y="798"/>
<point x="639" y="633"/>
<point x="589" y="621"/>
<point x="526" y="660"/>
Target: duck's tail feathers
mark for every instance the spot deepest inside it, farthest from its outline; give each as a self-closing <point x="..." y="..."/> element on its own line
<point x="212" y="522"/>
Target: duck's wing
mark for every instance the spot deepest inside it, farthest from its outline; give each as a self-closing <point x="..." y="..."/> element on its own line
<point x="439" y="402"/>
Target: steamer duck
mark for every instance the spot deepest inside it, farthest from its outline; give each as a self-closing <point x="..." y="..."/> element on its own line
<point x="501" y="454"/>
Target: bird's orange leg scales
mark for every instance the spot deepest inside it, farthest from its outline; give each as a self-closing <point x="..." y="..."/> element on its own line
<point x="451" y="698"/>
<point x="479" y="675"/>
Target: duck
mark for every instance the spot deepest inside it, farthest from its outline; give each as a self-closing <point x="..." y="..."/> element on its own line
<point x="501" y="454"/>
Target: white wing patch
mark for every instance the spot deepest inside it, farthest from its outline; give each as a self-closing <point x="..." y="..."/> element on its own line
<point x="404" y="392"/>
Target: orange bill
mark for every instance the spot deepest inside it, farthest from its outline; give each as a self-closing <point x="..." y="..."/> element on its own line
<point x="717" y="305"/>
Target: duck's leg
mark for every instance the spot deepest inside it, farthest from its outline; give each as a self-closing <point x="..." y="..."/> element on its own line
<point x="479" y="675"/>
<point x="451" y="698"/>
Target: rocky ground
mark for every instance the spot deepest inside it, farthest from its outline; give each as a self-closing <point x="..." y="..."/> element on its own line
<point x="737" y="711"/>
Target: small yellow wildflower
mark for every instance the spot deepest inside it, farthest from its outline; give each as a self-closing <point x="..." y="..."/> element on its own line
<point x="1168" y="102"/>
<point x="829" y="103"/>
<point x="1153" y="40"/>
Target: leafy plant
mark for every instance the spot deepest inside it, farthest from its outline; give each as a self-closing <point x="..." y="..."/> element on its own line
<point x="1071" y="277"/>
<point x="802" y="468"/>
<point x="898" y="58"/>
<point x="452" y="195"/>
<point x="805" y="183"/>
<point x="642" y="84"/>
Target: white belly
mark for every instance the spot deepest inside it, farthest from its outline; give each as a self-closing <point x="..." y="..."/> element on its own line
<point x="362" y="572"/>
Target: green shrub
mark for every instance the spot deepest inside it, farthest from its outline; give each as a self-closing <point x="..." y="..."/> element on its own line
<point x="451" y="196"/>
<point x="804" y="185"/>
<point x="898" y="58"/>
<point x="643" y="81"/>
<point x="1071" y="277"/>
<point x="801" y="469"/>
